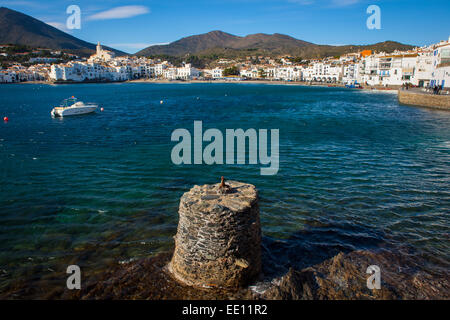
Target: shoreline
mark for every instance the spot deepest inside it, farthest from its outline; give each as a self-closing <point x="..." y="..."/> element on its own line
<point x="265" y="82"/>
<point x="270" y="82"/>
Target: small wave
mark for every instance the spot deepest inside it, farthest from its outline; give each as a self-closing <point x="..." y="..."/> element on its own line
<point x="379" y="91"/>
<point x="445" y="144"/>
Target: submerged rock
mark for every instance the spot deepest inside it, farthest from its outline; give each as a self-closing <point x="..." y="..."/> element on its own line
<point x="344" y="277"/>
<point x="341" y="277"/>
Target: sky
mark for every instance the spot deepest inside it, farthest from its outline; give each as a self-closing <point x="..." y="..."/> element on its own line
<point x="135" y="24"/>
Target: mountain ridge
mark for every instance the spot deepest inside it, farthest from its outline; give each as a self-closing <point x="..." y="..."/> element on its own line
<point x="19" y="28"/>
<point x="223" y="43"/>
<point x="22" y="29"/>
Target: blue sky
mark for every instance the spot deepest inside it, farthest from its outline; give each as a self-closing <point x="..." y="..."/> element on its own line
<point x="133" y="25"/>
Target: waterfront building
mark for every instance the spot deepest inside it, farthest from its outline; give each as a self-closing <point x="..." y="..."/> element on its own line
<point x="8" y="76"/>
<point x="441" y="65"/>
<point x="249" y="73"/>
<point x="160" y="67"/>
<point x="290" y="73"/>
<point x="350" y="72"/>
<point x="390" y="70"/>
<point x="187" y="72"/>
<point x="323" y="72"/>
<point x="424" y="68"/>
<point x="217" y="73"/>
<point x="369" y="70"/>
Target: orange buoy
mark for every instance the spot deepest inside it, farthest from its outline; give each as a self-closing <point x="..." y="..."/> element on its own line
<point x="6" y="119"/>
<point x="101" y="109"/>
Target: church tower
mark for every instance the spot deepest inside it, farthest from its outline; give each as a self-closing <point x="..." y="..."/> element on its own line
<point x="99" y="48"/>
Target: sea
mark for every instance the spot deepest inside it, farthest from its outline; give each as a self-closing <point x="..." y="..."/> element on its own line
<point x="357" y="171"/>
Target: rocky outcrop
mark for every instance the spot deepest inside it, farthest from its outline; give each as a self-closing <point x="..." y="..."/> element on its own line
<point x="342" y="277"/>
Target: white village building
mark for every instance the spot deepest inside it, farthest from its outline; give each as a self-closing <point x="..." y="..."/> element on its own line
<point x="441" y="65"/>
<point x="101" y="55"/>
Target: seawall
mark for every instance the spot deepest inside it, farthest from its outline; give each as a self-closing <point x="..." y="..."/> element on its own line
<point x="413" y="98"/>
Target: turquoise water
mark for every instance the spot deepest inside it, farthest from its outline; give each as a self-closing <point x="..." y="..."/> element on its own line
<point x="357" y="171"/>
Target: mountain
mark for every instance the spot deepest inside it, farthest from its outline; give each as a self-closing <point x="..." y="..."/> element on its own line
<point x="192" y="44"/>
<point x="228" y="45"/>
<point x="19" y="28"/>
<point x="221" y="40"/>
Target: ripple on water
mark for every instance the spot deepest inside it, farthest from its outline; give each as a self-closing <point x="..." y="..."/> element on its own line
<point x="357" y="171"/>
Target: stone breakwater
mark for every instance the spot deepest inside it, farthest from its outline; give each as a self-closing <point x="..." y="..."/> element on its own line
<point x="218" y="241"/>
<point x="413" y="98"/>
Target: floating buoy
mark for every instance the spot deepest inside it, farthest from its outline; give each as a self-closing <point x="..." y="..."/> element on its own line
<point x="6" y="119"/>
<point x="161" y="102"/>
<point x="101" y="109"/>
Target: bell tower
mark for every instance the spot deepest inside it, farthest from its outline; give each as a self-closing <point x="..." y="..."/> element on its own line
<point x="99" y="48"/>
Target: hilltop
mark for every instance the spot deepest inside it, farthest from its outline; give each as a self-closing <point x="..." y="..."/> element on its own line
<point x="21" y="29"/>
<point x="219" y="43"/>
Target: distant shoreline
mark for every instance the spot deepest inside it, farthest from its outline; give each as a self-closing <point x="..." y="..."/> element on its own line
<point x="274" y="82"/>
<point x="269" y="82"/>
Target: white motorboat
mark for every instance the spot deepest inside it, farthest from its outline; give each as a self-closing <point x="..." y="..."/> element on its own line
<point x="72" y="107"/>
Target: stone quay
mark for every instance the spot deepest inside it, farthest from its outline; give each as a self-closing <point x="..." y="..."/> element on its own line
<point x="421" y="99"/>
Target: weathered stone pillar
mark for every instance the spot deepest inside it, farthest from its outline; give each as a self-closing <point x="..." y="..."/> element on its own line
<point x="218" y="241"/>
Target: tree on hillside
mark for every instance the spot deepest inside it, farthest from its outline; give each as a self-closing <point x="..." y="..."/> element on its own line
<point x="196" y="62"/>
<point x="232" y="71"/>
<point x="296" y="60"/>
<point x="261" y="73"/>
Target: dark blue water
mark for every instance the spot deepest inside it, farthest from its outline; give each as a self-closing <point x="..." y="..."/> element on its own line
<point x="357" y="171"/>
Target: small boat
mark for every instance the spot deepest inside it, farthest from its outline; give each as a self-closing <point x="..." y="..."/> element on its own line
<point x="72" y="107"/>
<point x="354" y="85"/>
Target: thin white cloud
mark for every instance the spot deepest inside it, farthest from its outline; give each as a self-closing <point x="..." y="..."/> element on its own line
<point x="19" y="3"/>
<point x="343" y="3"/>
<point x="158" y="44"/>
<point x="59" y="25"/>
<point x="334" y="3"/>
<point x="120" y="13"/>
<point x="302" y="2"/>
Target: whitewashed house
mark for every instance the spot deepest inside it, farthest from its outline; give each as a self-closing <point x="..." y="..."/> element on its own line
<point x="8" y="77"/>
<point x="368" y="72"/>
<point x="217" y="73"/>
<point x="350" y="73"/>
<point x="187" y="72"/>
<point x="441" y="65"/>
<point x="424" y="68"/>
